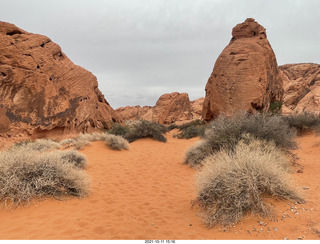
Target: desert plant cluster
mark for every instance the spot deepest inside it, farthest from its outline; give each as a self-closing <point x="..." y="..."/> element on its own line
<point x="112" y="141"/>
<point x="140" y="129"/>
<point x="241" y="161"/>
<point x="34" y="169"/>
<point x="192" y="129"/>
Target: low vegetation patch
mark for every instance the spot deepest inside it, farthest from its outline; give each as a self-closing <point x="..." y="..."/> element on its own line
<point x="226" y="132"/>
<point x="113" y="141"/>
<point x="140" y="129"/>
<point x="192" y="129"/>
<point x="233" y="184"/>
<point x="243" y="160"/>
<point x="303" y="121"/>
<point x="73" y="157"/>
<point x="119" y="130"/>
<point x="38" y="145"/>
<point x="116" y="142"/>
<point x="27" y="174"/>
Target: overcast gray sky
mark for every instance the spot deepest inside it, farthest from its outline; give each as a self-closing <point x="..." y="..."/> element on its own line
<point x="141" y="49"/>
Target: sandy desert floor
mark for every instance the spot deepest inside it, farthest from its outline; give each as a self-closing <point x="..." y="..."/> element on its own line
<point x="145" y="193"/>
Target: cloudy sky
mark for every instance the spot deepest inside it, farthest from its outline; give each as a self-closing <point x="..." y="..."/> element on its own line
<point x="141" y="49"/>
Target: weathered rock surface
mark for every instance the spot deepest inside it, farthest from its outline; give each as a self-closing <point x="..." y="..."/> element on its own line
<point x="42" y="91"/>
<point x="135" y="112"/>
<point x="170" y="108"/>
<point x="301" y="84"/>
<point x="245" y="76"/>
<point x="196" y="108"/>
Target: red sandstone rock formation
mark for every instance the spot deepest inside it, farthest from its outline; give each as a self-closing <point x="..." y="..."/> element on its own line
<point x="245" y="75"/>
<point x="42" y="91"/>
<point x="170" y="108"/>
<point x="301" y="84"/>
<point x="135" y="112"/>
<point x="196" y="108"/>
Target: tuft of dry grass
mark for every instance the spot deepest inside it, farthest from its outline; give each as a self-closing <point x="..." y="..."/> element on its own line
<point x="28" y="174"/>
<point x="38" y="145"/>
<point x="73" y="157"/>
<point x="116" y="142"/>
<point x="113" y="141"/>
<point x="195" y="154"/>
<point x="234" y="183"/>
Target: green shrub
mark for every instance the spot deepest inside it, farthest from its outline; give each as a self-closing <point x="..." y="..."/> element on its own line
<point x="303" y="121"/>
<point x="233" y="184"/>
<point x="173" y="126"/>
<point x="189" y="130"/>
<point x="195" y="123"/>
<point x="27" y="174"/>
<point x="143" y="129"/>
<point x="226" y="132"/>
<point x="275" y="106"/>
<point x="192" y="131"/>
<point x="119" y="130"/>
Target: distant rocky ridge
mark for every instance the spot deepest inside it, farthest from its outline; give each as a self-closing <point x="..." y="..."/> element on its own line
<point x="301" y="84"/>
<point x="245" y="75"/>
<point x="43" y="92"/>
<point x="170" y="108"/>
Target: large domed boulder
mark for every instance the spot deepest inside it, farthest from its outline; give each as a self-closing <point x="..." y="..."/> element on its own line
<point x="245" y="76"/>
<point x="43" y="92"/>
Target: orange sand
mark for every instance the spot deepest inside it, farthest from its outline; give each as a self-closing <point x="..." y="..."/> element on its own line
<point x="145" y="193"/>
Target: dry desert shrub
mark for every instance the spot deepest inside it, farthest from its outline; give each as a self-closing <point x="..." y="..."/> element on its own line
<point x="69" y="141"/>
<point x="233" y="184"/>
<point x="26" y="174"/>
<point x="116" y="142"/>
<point x="303" y="121"/>
<point x="226" y="132"/>
<point x="197" y="153"/>
<point x="189" y="130"/>
<point x="79" y="144"/>
<point x="140" y="129"/>
<point x="73" y="157"/>
<point x="38" y="145"/>
<point x="143" y="129"/>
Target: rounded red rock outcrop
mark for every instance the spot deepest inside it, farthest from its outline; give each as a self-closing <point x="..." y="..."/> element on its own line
<point x="43" y="92"/>
<point x="245" y="76"/>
